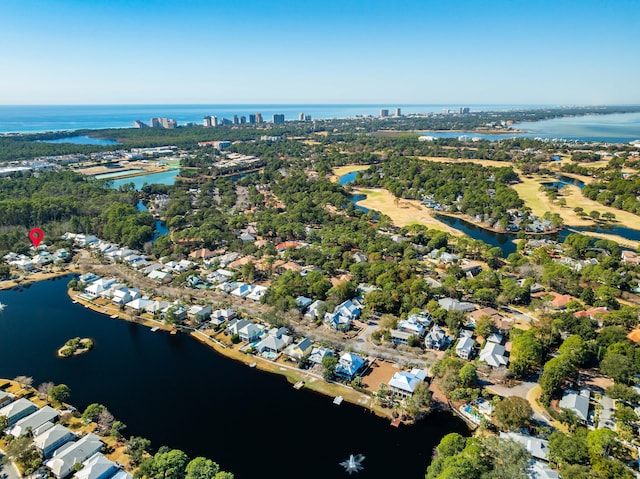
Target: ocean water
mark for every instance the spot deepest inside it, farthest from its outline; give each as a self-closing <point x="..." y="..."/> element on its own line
<point x="37" y="118"/>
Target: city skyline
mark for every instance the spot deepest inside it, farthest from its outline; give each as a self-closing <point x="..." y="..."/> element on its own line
<point x="422" y="52"/>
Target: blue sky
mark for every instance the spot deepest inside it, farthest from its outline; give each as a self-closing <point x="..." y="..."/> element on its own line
<point x="348" y="51"/>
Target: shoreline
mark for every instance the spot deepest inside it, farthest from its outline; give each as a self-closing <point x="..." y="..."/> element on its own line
<point x="35" y="278"/>
<point x="293" y="375"/>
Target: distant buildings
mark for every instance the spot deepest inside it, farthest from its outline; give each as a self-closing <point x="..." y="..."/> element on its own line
<point x="398" y="112"/>
<point x="156" y="123"/>
<point x="384" y="113"/>
<point x="278" y="119"/>
<point x="252" y="119"/>
<point x="259" y="118"/>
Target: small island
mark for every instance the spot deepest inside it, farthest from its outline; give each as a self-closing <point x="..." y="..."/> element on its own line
<point x="75" y="347"/>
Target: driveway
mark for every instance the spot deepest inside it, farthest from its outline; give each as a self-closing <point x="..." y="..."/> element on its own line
<point x="522" y="390"/>
<point x="606" y="414"/>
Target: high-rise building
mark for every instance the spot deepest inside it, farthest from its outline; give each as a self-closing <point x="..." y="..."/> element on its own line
<point x="384" y="113"/>
<point x="243" y="120"/>
<point x="259" y="118"/>
<point x="301" y="117"/>
<point x="252" y="119"/>
<point x="307" y="118"/>
<point x="278" y="118"/>
<point x="235" y="120"/>
<point x="139" y="124"/>
<point x="206" y="122"/>
<point x="155" y="123"/>
<point x="214" y="121"/>
<point x="398" y="112"/>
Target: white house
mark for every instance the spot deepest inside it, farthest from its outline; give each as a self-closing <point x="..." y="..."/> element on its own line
<point x="404" y="383"/>
<point x="98" y="287"/>
<point x="577" y="402"/>
<point x="436" y="338"/>
<point x="63" y="460"/>
<point x="250" y="332"/>
<point x="242" y="290"/>
<point x="538" y="448"/>
<point x="97" y="467"/>
<point x="464" y="348"/>
<point x="454" y="305"/>
<point x="51" y="439"/>
<point x="32" y="422"/>
<point x="257" y="293"/>
<point x="138" y="304"/>
<point x="493" y="355"/>
<point x="199" y="313"/>
<point x="17" y="410"/>
<point x="312" y="310"/>
<point x="318" y="354"/>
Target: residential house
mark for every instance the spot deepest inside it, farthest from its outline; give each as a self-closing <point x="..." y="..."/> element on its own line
<point x="257" y="292"/>
<point x="32" y="422"/>
<point x="538" y="448"/>
<point x="474" y="316"/>
<point x="5" y="398"/>
<point x="471" y="268"/>
<point x="630" y="257"/>
<point x="343" y="315"/>
<point x="451" y="304"/>
<point x="124" y="295"/>
<point x="560" y="301"/>
<point x="220" y="316"/>
<point x="97" y="287"/>
<point x="404" y="383"/>
<point x="88" y="278"/>
<point x="51" y="439"/>
<point x="298" y="350"/>
<point x="17" y="410"/>
<point x="97" y="467"/>
<point x="247" y="237"/>
<point x="540" y="470"/>
<point x="274" y="342"/>
<point x="349" y="366"/>
<point x="160" y="276"/>
<point x="138" y="305"/>
<point x="220" y="276"/>
<point x="199" y="313"/>
<point x="63" y="460"/>
<point x="178" y="311"/>
<point x="242" y="290"/>
<point x="155" y="307"/>
<point x="313" y="310"/>
<point x="302" y="303"/>
<point x="464" y="348"/>
<point x="494" y="355"/>
<point x="436" y="338"/>
<point x="400" y="337"/>
<point x="359" y="257"/>
<point x="412" y="326"/>
<point x="202" y="253"/>
<point x="578" y="402"/>
<point x="595" y="314"/>
<point x="423" y="318"/>
<point x="250" y="332"/>
<point x="318" y="354"/>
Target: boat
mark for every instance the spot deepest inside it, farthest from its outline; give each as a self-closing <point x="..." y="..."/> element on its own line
<point x="2" y="306"/>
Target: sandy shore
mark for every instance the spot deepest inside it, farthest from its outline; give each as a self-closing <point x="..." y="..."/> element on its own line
<point x="343" y="170"/>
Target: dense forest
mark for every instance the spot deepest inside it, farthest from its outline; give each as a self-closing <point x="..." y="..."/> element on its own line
<point x="59" y="201"/>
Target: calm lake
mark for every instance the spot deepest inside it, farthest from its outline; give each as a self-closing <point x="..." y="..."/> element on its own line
<point x="178" y="392"/>
<point x="163" y="178"/>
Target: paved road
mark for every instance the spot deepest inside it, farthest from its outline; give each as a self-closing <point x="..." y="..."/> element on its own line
<point x="521" y="390"/>
<point x="8" y="471"/>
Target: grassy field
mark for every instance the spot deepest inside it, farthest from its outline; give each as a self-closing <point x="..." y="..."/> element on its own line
<point x="343" y="170"/>
<point x="497" y="164"/>
<point x="402" y="212"/>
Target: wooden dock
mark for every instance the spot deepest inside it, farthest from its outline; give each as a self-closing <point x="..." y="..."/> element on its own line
<point x="154" y="329"/>
<point x="253" y="365"/>
<point x="298" y="385"/>
<point x="114" y="316"/>
<point x="396" y="422"/>
<point x="338" y="400"/>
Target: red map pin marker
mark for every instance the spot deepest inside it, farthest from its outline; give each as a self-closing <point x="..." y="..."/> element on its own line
<point x="36" y="235"/>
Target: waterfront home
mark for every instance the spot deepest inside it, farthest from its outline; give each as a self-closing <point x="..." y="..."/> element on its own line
<point x="313" y="311"/>
<point x="5" y="398"/>
<point x="199" y="313"/>
<point x="250" y="332"/>
<point x="318" y="354"/>
<point x="436" y="338"/>
<point x="124" y="295"/>
<point x="64" y="459"/>
<point x="257" y="293"/>
<point x="97" y="467"/>
<point x="464" y="348"/>
<point x="32" y="422"/>
<point x="577" y="402"/>
<point x="450" y="304"/>
<point x="273" y="343"/>
<point x="156" y="307"/>
<point x="538" y="448"/>
<point x="297" y="351"/>
<point x="404" y="383"/>
<point x="88" y="278"/>
<point x="137" y="305"/>
<point x="51" y="439"/>
<point x="17" y="410"/>
<point x="494" y="355"/>
<point x="235" y="325"/>
<point x="99" y="286"/>
<point x="349" y="366"/>
<point x="179" y="311"/>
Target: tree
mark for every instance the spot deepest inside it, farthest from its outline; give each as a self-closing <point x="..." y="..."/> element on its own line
<point x="600" y="442"/>
<point x="329" y="364"/>
<point x="468" y="375"/>
<point x="92" y="412"/>
<point x="59" y="393"/>
<point x="24" y="381"/>
<point x="201" y="468"/>
<point x="595" y="215"/>
<point x="575" y="349"/>
<point x="136" y="447"/>
<point x="526" y="353"/>
<point x="44" y="389"/>
<point x="568" y="449"/>
<point x="556" y="370"/>
<point x="513" y="413"/>
<point x="451" y="444"/>
<point x="22" y="451"/>
<point x="116" y="429"/>
<point x="105" y="420"/>
<point x="623" y="392"/>
<point x="485" y="326"/>
<point x="619" y="367"/>
<point x="165" y="464"/>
